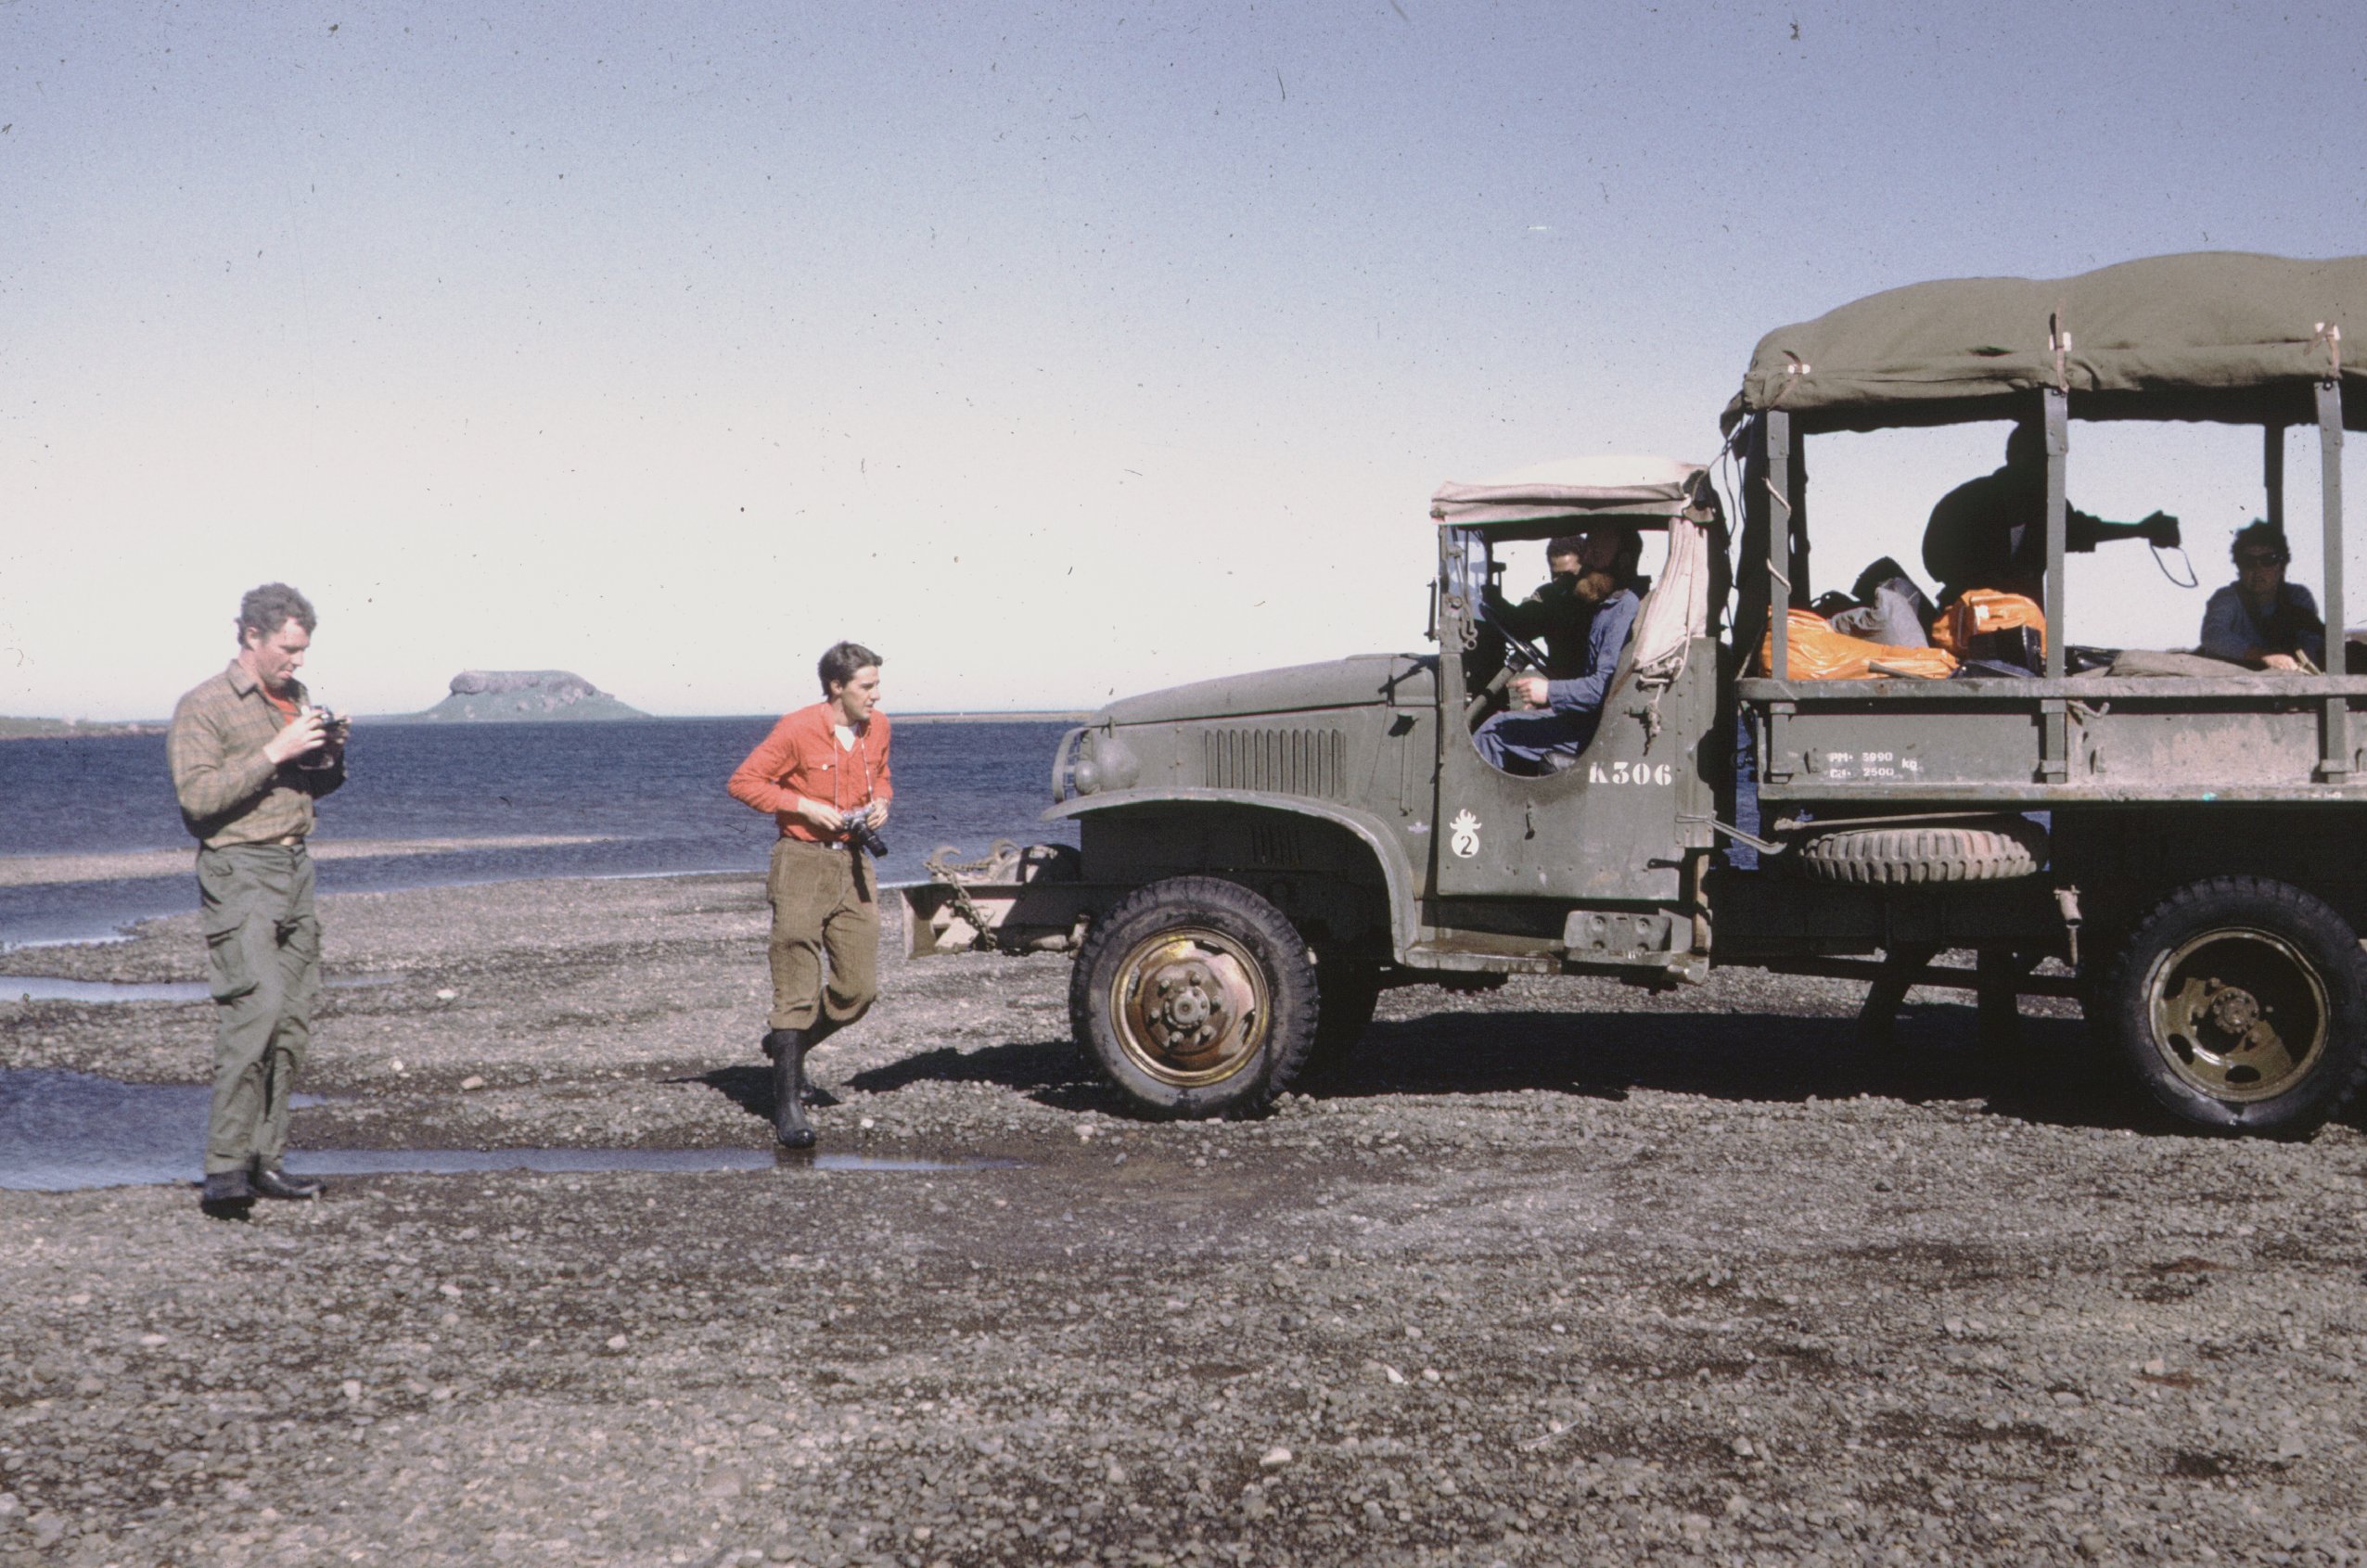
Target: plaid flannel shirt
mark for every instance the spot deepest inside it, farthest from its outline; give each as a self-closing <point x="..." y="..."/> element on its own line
<point x="230" y="791"/>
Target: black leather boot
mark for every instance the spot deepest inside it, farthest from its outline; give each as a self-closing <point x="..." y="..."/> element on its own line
<point x="788" y="1048"/>
<point x="270" y="1181"/>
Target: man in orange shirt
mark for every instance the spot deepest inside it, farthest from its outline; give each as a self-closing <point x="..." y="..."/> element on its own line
<point x="823" y="773"/>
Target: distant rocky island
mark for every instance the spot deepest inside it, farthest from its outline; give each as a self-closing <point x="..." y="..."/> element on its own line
<point x="516" y="696"/>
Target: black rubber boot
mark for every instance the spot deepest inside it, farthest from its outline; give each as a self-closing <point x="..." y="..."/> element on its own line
<point x="786" y="1047"/>
<point x="226" y="1195"/>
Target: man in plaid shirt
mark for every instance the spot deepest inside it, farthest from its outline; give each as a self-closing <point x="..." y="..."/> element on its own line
<point x="250" y="755"/>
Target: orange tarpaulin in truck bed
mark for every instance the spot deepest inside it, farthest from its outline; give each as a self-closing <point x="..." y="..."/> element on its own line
<point x="1816" y="652"/>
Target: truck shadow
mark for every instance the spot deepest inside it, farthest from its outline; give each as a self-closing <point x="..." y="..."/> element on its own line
<point x="2055" y="1076"/>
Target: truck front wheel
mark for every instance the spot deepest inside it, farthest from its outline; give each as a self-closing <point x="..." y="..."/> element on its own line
<point x="1196" y="996"/>
<point x="2241" y="1003"/>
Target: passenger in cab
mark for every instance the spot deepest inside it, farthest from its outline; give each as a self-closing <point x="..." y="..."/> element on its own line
<point x="2262" y="619"/>
<point x="1531" y="741"/>
<point x="1555" y="615"/>
<point x="1990" y="532"/>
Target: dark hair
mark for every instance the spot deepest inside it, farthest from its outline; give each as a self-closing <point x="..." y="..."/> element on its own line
<point x="2260" y="533"/>
<point x="1631" y="553"/>
<point x="1565" y="545"/>
<point x="838" y="665"/>
<point x="273" y="606"/>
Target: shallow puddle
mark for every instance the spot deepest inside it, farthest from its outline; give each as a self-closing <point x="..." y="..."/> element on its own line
<point x="44" y="987"/>
<point x="383" y="1162"/>
<point x="62" y="1131"/>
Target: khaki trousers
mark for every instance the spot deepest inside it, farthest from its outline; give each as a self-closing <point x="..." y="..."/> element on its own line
<point x="263" y="956"/>
<point x="824" y="900"/>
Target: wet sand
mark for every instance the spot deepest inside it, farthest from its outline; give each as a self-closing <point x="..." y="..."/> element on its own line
<point x="1562" y="1273"/>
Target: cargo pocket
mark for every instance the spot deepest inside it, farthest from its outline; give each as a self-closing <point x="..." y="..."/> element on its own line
<point x="230" y="958"/>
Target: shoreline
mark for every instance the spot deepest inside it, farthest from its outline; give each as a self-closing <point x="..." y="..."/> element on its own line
<point x="132" y="865"/>
<point x="30" y="729"/>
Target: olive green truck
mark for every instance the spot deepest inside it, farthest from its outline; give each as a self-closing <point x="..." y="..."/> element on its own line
<point x="1259" y="856"/>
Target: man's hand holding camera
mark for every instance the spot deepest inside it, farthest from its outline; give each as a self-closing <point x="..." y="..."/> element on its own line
<point x="315" y="738"/>
<point x="860" y="826"/>
<point x="823" y="817"/>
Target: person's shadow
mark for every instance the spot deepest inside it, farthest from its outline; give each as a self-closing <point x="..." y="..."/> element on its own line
<point x="751" y="1090"/>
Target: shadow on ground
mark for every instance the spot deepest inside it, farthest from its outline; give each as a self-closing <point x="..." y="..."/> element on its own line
<point x="2055" y="1076"/>
<point x="751" y="1090"/>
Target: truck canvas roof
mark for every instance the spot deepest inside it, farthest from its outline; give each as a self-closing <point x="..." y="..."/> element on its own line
<point x="2220" y="335"/>
<point x="1573" y="487"/>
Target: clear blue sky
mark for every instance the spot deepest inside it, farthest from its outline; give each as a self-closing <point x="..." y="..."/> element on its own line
<point x="1051" y="350"/>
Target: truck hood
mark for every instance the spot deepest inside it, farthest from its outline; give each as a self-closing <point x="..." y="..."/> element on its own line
<point x="1366" y="679"/>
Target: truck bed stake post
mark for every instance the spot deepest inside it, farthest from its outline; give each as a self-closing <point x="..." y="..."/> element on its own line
<point x="2272" y="470"/>
<point x="2335" y="753"/>
<point x="1778" y="437"/>
<point x="2054" y="723"/>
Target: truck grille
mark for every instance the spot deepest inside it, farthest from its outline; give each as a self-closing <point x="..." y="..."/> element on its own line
<point x="1285" y="761"/>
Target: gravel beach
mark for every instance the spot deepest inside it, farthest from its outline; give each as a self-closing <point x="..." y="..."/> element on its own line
<point x="1565" y="1272"/>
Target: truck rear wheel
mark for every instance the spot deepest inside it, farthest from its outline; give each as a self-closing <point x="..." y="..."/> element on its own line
<point x="1991" y="849"/>
<point x="2241" y="1004"/>
<point x="1196" y="996"/>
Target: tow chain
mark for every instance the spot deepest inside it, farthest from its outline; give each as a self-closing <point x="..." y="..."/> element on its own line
<point x="942" y="868"/>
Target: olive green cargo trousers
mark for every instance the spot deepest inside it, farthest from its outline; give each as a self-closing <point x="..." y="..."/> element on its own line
<point x="263" y="956"/>
<point x="824" y="899"/>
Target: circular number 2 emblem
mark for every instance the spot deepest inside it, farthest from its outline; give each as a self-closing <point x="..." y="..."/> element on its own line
<point x="1462" y="834"/>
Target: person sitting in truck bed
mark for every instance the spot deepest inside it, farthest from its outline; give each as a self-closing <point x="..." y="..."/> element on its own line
<point x="1990" y="532"/>
<point x="2262" y="619"/>
<point x="1531" y="742"/>
<point x="1555" y="615"/>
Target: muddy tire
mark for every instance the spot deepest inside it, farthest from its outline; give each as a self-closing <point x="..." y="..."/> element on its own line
<point x="1196" y="998"/>
<point x="1995" y="849"/>
<point x="2241" y="1004"/>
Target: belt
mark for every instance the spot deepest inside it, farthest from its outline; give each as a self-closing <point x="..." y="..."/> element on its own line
<point x="285" y="841"/>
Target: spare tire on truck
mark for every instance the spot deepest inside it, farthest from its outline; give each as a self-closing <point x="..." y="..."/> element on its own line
<point x="1196" y="996"/>
<point x="1976" y="849"/>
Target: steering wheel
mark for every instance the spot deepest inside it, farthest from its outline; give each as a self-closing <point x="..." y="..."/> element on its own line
<point x="1513" y="640"/>
<point x="1519" y="652"/>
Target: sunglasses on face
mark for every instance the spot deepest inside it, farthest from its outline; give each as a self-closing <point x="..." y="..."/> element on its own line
<point x="2252" y="560"/>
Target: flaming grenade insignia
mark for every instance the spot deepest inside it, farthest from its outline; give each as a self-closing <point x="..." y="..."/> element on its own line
<point x="1462" y="834"/>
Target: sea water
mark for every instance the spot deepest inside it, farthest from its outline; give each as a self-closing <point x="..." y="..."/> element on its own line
<point x="648" y="792"/>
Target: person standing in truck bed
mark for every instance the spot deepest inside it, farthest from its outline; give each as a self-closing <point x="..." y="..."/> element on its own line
<point x="1990" y="532"/>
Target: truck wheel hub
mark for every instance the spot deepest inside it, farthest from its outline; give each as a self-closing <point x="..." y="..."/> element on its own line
<point x="2235" y="1009"/>
<point x="1191" y="1006"/>
<point x="2238" y="1014"/>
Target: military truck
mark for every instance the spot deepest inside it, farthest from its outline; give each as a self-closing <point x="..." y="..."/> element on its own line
<point x="1259" y="856"/>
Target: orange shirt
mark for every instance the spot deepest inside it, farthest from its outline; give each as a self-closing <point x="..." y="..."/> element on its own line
<point x="803" y="757"/>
